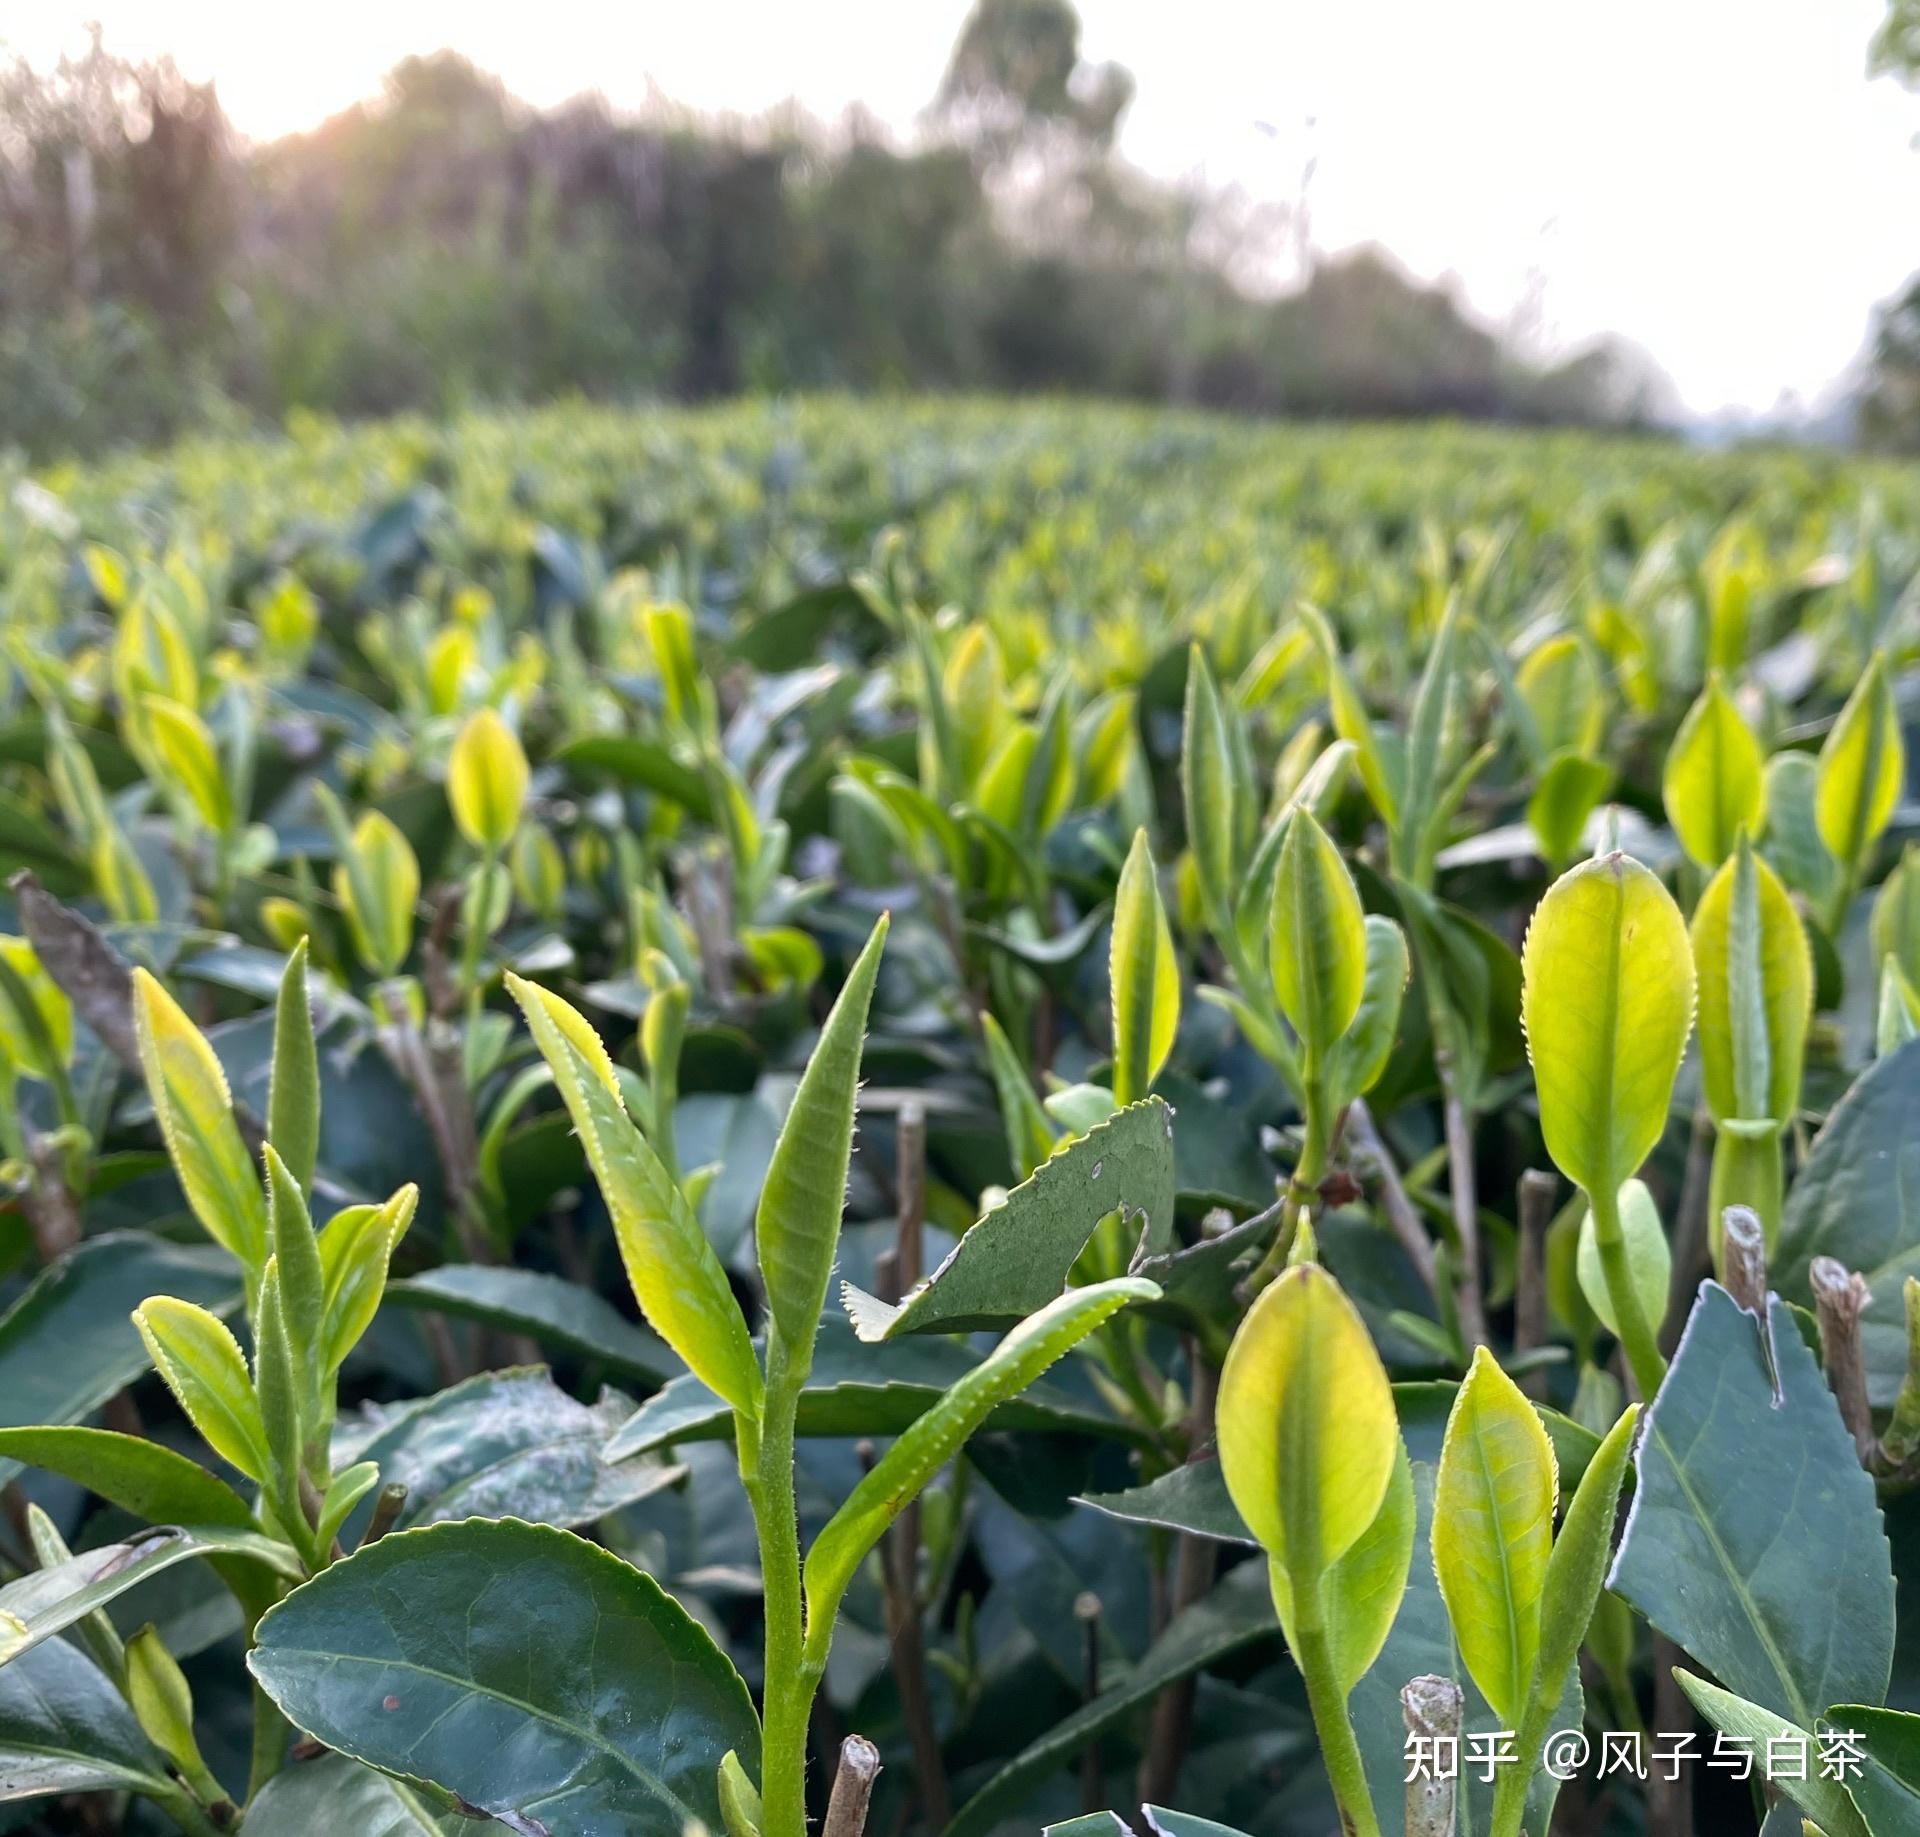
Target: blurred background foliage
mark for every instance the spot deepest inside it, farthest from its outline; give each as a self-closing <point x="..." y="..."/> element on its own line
<point x="444" y="245"/>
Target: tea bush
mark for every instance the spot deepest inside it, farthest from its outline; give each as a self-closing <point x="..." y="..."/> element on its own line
<point x="1372" y="975"/>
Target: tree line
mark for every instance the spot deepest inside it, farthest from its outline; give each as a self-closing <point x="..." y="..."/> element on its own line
<point x="444" y="243"/>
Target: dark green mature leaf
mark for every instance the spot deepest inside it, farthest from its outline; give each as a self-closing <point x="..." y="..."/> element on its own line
<point x="47" y="1601"/>
<point x="334" y="1793"/>
<point x="528" y="1671"/>
<point x="1745" y="1491"/>
<point x="139" y="1476"/>
<point x="1826" y="1801"/>
<point x="644" y="763"/>
<point x="1858" y="1199"/>
<point x="28" y="841"/>
<point x="558" y="1313"/>
<point x="856" y="1390"/>
<point x="1237" y="1614"/>
<point x="504" y="1444"/>
<point x="1016" y="1259"/>
<point x="1888" y="1789"/>
<point x="1190" y="1498"/>
<point x="64" y="1728"/>
<point x="1159" y="1822"/>
<point x="68" y="1343"/>
<point x="1164" y="1823"/>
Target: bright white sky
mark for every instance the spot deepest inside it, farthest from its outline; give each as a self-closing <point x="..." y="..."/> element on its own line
<point x="1714" y="179"/>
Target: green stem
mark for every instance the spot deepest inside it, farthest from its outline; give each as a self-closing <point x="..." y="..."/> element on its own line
<point x="269" y="1741"/>
<point x="1833" y="913"/>
<point x="1307" y="1174"/>
<point x="1338" y="1748"/>
<point x="793" y="1668"/>
<point x="187" y="1812"/>
<point x="1747" y="1171"/>
<point x="1636" y="1336"/>
<point x="479" y="898"/>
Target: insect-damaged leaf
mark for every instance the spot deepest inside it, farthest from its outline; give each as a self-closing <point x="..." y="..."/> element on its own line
<point x="1017" y="1257"/>
<point x="520" y="1667"/>
<point x="1745" y="1491"/>
<point x="504" y="1444"/>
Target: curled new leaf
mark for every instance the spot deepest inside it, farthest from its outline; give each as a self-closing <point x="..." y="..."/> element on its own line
<point x="487" y="781"/>
<point x="201" y="1364"/>
<point x="1492" y="1532"/>
<point x="936" y="1436"/>
<point x="293" y="1092"/>
<point x="1145" y="978"/>
<point x="195" y="1112"/>
<point x="36" y="1018"/>
<point x="1360" y="1055"/>
<point x="1207" y="786"/>
<point x="300" y="1275"/>
<point x="670" y="1261"/>
<point x="1896" y="916"/>
<point x="1862" y="766"/>
<point x="797" y="1225"/>
<point x="186" y="754"/>
<point x="1714" y="785"/>
<point x="377" y="882"/>
<point x="1560" y="688"/>
<point x="355" y="1250"/>
<point x="1756" y="991"/>
<point x="1318" y="939"/>
<point x="1649" y="1260"/>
